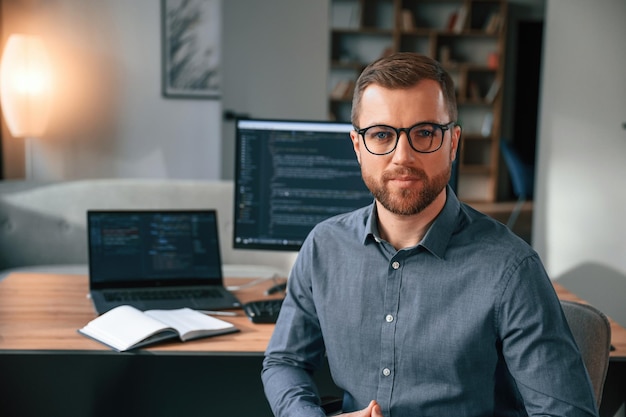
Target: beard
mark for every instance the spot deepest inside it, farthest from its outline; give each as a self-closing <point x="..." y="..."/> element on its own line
<point x="407" y="201"/>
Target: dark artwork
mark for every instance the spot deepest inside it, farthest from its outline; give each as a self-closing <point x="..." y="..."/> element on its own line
<point x="191" y="48"/>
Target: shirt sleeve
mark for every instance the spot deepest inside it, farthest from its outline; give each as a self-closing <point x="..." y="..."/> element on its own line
<point x="538" y="347"/>
<point x="295" y="352"/>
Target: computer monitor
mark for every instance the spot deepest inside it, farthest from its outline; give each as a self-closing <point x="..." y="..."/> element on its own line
<point x="289" y="176"/>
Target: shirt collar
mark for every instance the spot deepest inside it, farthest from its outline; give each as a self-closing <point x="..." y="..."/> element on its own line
<point x="370" y="232"/>
<point x="440" y="232"/>
<point x="438" y="235"/>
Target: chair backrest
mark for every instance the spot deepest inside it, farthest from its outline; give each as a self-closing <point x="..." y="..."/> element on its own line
<point x="522" y="174"/>
<point x="592" y="331"/>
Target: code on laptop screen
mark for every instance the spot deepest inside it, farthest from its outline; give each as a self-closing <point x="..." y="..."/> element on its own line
<point x="153" y="245"/>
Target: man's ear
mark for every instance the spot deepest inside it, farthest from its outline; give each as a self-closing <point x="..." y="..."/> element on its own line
<point x="356" y="145"/>
<point x="456" y="141"/>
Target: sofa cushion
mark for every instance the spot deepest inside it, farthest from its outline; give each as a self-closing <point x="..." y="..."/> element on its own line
<point x="45" y="223"/>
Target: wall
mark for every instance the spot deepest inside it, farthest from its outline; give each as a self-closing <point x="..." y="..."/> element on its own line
<point x="276" y="63"/>
<point x="110" y="119"/>
<point x="579" y="205"/>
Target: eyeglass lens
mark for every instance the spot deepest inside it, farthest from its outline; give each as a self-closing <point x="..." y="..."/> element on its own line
<point x="424" y="137"/>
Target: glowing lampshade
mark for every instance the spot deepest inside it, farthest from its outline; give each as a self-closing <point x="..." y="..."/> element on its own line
<point x="25" y="86"/>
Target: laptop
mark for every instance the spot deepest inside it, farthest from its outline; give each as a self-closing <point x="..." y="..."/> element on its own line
<point x="156" y="259"/>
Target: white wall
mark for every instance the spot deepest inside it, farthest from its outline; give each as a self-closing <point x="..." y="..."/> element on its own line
<point x="275" y="61"/>
<point x="579" y="227"/>
<point x="110" y="119"/>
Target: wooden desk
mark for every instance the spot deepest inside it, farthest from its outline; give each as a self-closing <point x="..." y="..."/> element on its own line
<point x="42" y="312"/>
<point x="50" y="369"/>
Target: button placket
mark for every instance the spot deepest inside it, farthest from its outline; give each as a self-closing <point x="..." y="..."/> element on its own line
<point x="388" y="330"/>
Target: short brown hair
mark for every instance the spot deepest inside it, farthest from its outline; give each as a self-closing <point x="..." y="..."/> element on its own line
<point x="404" y="70"/>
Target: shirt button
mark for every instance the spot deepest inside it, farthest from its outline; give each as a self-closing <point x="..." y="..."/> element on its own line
<point x="395" y="265"/>
<point x="389" y="318"/>
<point x="386" y="372"/>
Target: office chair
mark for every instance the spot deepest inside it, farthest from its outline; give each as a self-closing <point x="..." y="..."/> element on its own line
<point x="522" y="178"/>
<point x="592" y="332"/>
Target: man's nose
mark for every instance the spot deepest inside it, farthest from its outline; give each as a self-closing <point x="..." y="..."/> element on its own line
<point x="403" y="150"/>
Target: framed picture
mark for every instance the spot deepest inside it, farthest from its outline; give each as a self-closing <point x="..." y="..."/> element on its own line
<point x="191" y="43"/>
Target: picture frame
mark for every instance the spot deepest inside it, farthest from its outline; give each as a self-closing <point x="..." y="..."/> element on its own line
<point x="191" y="48"/>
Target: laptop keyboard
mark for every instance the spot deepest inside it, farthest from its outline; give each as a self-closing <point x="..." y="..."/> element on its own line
<point x="135" y="295"/>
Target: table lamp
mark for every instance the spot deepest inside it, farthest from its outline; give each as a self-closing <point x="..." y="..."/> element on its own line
<point x="25" y="90"/>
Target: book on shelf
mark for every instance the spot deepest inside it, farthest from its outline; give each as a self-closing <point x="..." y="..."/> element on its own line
<point x="407" y="19"/>
<point x="125" y="327"/>
<point x="474" y="91"/>
<point x="445" y="56"/>
<point x="493" y="23"/>
<point x="342" y="90"/>
<point x="493" y="91"/>
<point x="452" y="21"/>
<point x="345" y="15"/>
<point x="487" y="126"/>
<point x="461" y="18"/>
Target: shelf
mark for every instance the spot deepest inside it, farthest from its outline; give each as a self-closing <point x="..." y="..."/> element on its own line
<point x="363" y="31"/>
<point x="475" y="169"/>
<point x="466" y="36"/>
<point x="347" y="65"/>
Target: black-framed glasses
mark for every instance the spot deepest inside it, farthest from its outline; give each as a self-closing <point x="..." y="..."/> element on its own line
<point x="423" y="137"/>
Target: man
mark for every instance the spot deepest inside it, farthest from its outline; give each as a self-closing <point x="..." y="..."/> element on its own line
<point x="423" y="306"/>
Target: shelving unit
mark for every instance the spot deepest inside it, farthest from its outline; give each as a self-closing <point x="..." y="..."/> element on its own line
<point x="466" y="36"/>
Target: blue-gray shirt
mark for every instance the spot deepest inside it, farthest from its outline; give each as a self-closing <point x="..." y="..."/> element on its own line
<point x="466" y="323"/>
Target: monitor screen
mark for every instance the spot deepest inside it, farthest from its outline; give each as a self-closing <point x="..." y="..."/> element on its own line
<point x="289" y="176"/>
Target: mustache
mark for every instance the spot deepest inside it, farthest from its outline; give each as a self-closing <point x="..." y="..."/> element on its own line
<point x="404" y="172"/>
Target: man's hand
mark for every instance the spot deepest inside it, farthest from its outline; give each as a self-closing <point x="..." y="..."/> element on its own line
<point x="372" y="410"/>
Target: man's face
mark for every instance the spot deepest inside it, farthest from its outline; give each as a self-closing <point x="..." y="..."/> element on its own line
<point x="405" y="182"/>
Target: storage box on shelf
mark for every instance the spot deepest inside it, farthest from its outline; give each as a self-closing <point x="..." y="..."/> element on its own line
<point x="466" y="36"/>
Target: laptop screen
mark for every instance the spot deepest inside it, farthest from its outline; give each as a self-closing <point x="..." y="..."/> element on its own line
<point x="148" y="248"/>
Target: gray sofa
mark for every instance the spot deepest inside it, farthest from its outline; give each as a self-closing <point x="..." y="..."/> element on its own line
<point x="43" y="224"/>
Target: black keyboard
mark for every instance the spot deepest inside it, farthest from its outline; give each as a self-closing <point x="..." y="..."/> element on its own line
<point x="263" y="311"/>
<point x="139" y="295"/>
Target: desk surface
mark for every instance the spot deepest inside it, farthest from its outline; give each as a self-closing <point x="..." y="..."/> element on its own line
<point x="42" y="312"/>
